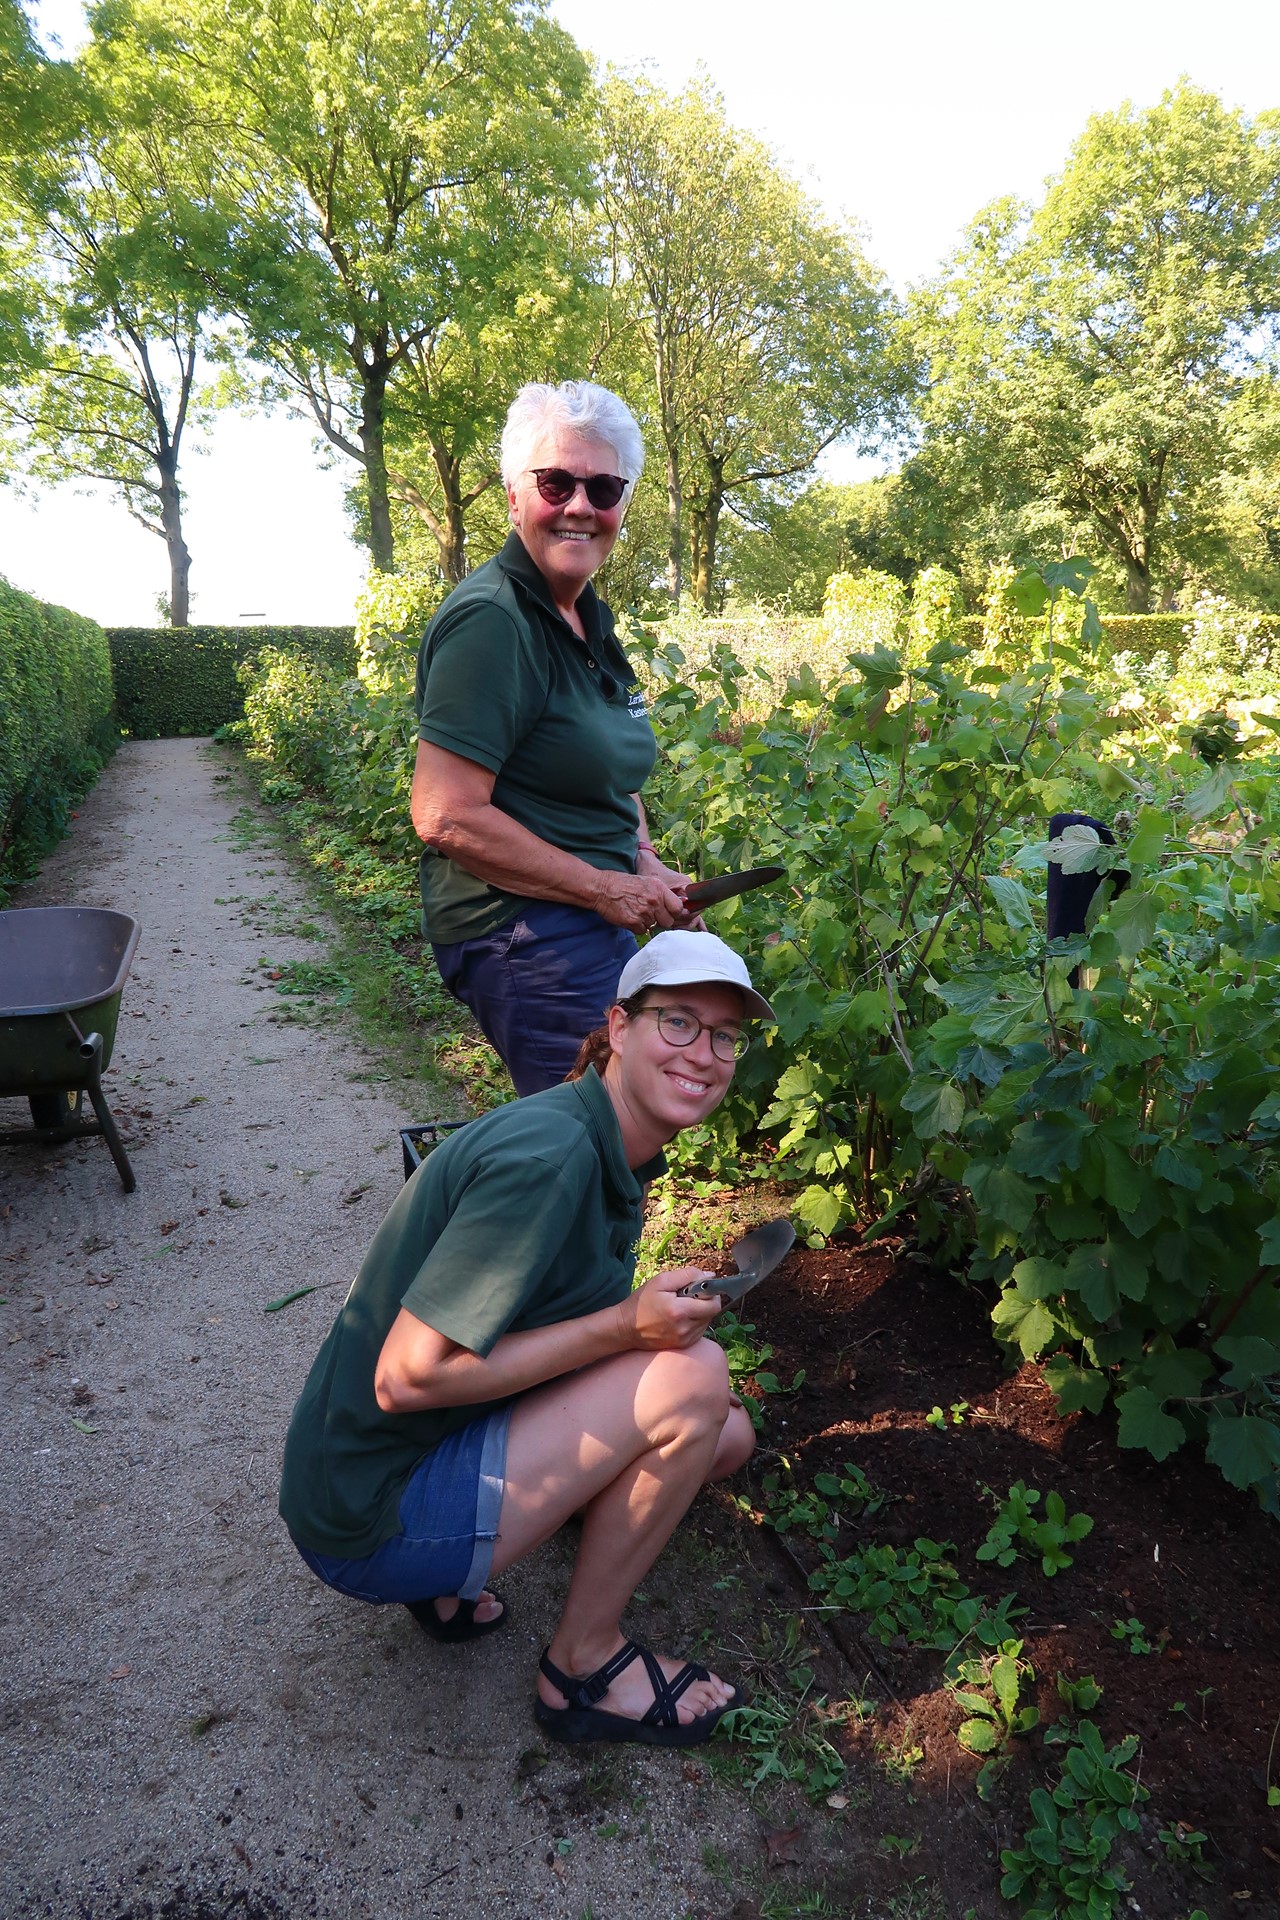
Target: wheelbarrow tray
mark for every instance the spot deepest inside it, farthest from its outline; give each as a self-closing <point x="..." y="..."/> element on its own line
<point x="62" y="971"/>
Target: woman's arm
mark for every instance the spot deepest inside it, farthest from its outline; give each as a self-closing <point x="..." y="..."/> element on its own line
<point x="653" y="866"/>
<point x="420" y="1368"/>
<point x="453" y="812"/>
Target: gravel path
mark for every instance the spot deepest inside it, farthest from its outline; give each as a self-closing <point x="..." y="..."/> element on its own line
<point x="192" y="1726"/>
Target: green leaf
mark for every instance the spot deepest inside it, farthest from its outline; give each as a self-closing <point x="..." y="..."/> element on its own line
<point x="935" y="1108"/>
<point x="1132" y="919"/>
<point x="1027" y="594"/>
<point x="1269" y="1235"/>
<point x="1147" y="841"/>
<point x="1076" y="1388"/>
<point x="82" y="1426"/>
<point x="1144" y="1423"/>
<point x="1211" y="793"/>
<point x="1039" y="1279"/>
<point x="287" y="1299"/>
<point x="1000" y="1192"/>
<point x="1244" y="1447"/>
<point x="1025" y="1322"/>
<point x="1249" y="1357"/>
<point x="979" y="1736"/>
<point x="1177" y="1168"/>
<point x="1012" y="901"/>
<point x="819" y="1208"/>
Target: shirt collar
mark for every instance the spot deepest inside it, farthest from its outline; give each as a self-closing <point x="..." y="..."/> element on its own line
<point x="517" y="562"/>
<point x="627" y="1182"/>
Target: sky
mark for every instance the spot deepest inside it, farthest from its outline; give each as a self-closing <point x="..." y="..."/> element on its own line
<point x="903" y="119"/>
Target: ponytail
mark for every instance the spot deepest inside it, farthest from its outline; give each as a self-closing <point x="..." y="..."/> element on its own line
<point x="596" y="1049"/>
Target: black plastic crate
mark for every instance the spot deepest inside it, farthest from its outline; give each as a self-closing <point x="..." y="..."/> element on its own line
<point x="417" y="1142"/>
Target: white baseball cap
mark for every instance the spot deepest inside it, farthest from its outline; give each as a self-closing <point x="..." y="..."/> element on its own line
<point x="682" y="958"/>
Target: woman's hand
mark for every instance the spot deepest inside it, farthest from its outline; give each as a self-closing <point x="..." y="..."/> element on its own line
<point x="652" y="867"/>
<point x="660" y="1318"/>
<point x="641" y="902"/>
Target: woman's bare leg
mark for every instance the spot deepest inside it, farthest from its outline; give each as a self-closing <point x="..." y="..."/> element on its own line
<point x="629" y="1442"/>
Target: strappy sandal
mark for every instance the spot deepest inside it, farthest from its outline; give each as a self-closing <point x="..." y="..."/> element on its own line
<point x="661" y="1726"/>
<point x="461" y="1625"/>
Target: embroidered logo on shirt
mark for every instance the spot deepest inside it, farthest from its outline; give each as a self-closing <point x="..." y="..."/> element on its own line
<point x="636" y="706"/>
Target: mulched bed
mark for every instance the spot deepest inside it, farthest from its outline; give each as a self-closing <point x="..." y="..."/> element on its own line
<point x="883" y="1340"/>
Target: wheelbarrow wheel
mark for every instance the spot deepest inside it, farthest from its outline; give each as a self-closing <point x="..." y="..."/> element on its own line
<point x="55" y="1110"/>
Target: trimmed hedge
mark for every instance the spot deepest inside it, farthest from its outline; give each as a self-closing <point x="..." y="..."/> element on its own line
<point x="174" y="680"/>
<point x="1143" y="634"/>
<point x="56" y="730"/>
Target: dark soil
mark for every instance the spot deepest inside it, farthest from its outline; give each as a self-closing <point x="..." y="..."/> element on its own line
<point x="883" y="1340"/>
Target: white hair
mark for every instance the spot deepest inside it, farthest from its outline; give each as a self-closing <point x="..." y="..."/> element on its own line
<point x="576" y="406"/>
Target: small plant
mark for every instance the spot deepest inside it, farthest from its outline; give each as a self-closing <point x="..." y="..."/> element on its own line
<point x="820" y="1514"/>
<point x="938" y="1419"/>
<point x="994" y="1716"/>
<point x="748" y="1375"/>
<point x="1063" y="1866"/>
<point x="1016" y="1529"/>
<point x="1133" y="1634"/>
<point x="1184" y="1845"/>
<point x="1079" y="1696"/>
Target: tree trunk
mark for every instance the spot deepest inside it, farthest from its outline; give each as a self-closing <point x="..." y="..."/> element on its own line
<point x="675" y="558"/>
<point x="381" y="537"/>
<point x="1137" y="586"/>
<point x="179" y="557"/>
<point x="450" y="530"/>
<point x="704" y="535"/>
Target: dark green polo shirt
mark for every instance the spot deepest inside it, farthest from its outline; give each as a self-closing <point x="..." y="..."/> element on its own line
<point x="503" y="680"/>
<point x="525" y="1217"/>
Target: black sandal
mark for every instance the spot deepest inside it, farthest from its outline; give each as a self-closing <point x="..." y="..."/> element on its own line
<point x="661" y="1726"/>
<point x="461" y="1625"/>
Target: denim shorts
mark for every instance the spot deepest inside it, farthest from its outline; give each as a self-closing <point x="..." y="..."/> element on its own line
<point x="449" y="1514"/>
<point x="538" y="986"/>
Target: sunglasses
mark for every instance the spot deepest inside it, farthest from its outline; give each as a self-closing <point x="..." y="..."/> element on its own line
<point x="558" y="486"/>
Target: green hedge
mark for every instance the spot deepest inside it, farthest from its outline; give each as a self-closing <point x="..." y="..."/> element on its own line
<point x="172" y="680"/>
<point x="56" y="730"/>
<point x="1143" y="634"/>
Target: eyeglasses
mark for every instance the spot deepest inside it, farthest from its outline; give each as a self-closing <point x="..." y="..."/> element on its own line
<point x="558" y="486"/>
<point x="680" y="1029"/>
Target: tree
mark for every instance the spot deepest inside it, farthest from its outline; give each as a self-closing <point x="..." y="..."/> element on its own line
<point x="117" y="311"/>
<point x="763" y="325"/>
<point x="388" y="164"/>
<point x="1084" y="357"/>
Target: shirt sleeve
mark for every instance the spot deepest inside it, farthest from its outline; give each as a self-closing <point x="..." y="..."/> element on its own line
<point x="480" y="686"/>
<point x="505" y="1230"/>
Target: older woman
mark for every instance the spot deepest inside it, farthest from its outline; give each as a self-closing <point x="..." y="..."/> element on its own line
<point x="492" y="1372"/>
<point x="533" y="745"/>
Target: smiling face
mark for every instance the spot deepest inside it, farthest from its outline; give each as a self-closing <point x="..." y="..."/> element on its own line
<point x="658" y="1089"/>
<point x="566" y="543"/>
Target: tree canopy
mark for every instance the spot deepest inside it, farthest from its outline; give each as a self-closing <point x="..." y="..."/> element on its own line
<point x="1084" y="358"/>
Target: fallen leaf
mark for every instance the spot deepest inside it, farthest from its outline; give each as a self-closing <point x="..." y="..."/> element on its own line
<point x="120" y="1673"/>
<point x="780" y="1846"/>
<point x="694" y="1775"/>
<point x="287" y="1300"/>
<point x="838" y="1800"/>
<point x="169" y="1226"/>
<point x="82" y="1426"/>
<point x="229" y="1200"/>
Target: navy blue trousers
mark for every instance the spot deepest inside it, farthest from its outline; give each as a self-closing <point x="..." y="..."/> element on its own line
<point x="538" y="986"/>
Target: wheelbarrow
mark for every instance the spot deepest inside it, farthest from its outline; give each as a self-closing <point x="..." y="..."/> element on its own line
<point x="62" y="971"/>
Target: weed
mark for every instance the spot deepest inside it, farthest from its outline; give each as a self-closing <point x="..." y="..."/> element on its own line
<point x="784" y="1734"/>
<point x="995" y="1718"/>
<point x="914" y="1592"/>
<point x="1063" y="1867"/>
<point x="1016" y="1529"/>
<point x="1184" y="1845"/>
<point x="748" y="1375"/>
<point x="899" y="1844"/>
<point x="900" y="1762"/>
<point x="1079" y="1696"/>
<point x="937" y="1418"/>
<point x="1133" y="1634"/>
<point x="820" y="1514"/>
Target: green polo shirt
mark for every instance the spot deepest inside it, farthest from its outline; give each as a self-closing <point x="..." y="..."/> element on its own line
<point x="503" y="680"/>
<point x="523" y="1218"/>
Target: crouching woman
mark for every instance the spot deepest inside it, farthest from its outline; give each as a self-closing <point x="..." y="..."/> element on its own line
<point x="492" y="1372"/>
